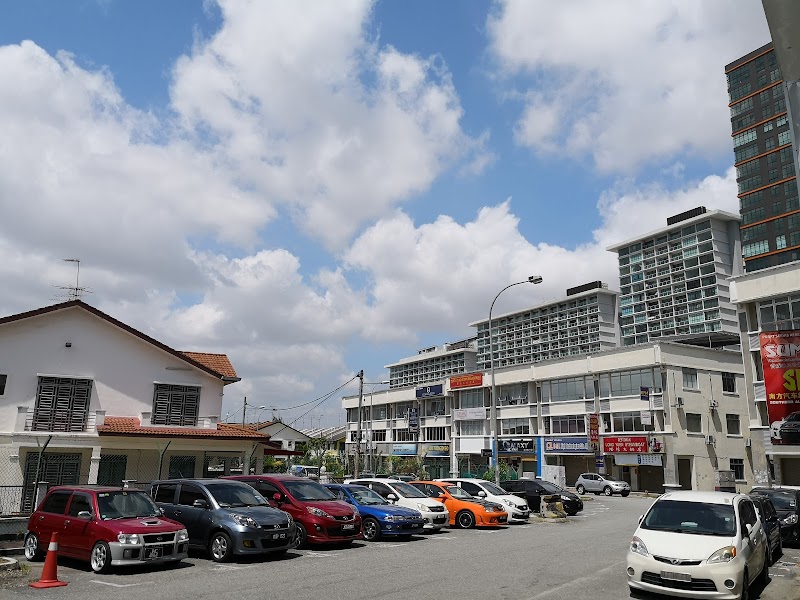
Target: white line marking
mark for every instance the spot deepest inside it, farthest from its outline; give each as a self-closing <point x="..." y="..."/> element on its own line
<point x="552" y="592"/>
<point x="320" y="554"/>
<point x="119" y="585"/>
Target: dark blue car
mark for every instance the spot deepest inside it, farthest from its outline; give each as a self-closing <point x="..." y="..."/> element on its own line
<point x="378" y="517"/>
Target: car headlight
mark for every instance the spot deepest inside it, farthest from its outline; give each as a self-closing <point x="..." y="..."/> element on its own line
<point x="318" y="512"/>
<point x="723" y="555"/>
<point x="422" y="507"/>
<point x="244" y="520"/>
<point x="790" y="520"/>
<point x="567" y="498"/>
<point x="396" y="518"/>
<point x="288" y="516"/>
<point x="506" y="502"/>
<point x="183" y="536"/>
<point x="128" y="538"/>
<point x="637" y="546"/>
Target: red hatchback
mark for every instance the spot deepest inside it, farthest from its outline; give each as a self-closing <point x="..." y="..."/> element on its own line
<point x="320" y="517"/>
<point x="107" y="526"/>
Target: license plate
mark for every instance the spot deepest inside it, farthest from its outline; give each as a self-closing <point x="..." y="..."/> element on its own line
<point x="676" y="576"/>
<point x="152" y="553"/>
<point x="415" y="525"/>
<point x="349" y="526"/>
<point x="278" y="536"/>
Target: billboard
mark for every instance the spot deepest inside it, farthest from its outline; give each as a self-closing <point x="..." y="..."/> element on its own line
<point x="569" y="445"/>
<point x="430" y="391"/>
<point x="465" y="381"/>
<point x="469" y="414"/>
<point x="404" y="449"/>
<point x="634" y="444"/>
<point x="780" y="357"/>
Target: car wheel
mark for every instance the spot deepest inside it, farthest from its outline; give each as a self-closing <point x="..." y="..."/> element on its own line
<point x="607" y="491"/>
<point x="300" y="536"/>
<point x="745" y="595"/>
<point x="625" y="494"/>
<point x="779" y="553"/>
<point x="465" y="519"/>
<point x="220" y="547"/>
<point x="32" y="551"/>
<point x="371" y="530"/>
<point x="580" y="489"/>
<point x="572" y="513"/>
<point x="100" y="558"/>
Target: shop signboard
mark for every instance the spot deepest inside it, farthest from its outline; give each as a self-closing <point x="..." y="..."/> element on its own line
<point x="413" y="420"/>
<point x="780" y="357"/>
<point x="632" y="444"/>
<point x="594" y="427"/>
<point x="569" y="445"/>
<point x="404" y="449"/>
<point x="469" y="414"/>
<point x="466" y="381"/>
<point x="438" y="450"/>
<point x="430" y="391"/>
<point x="517" y="447"/>
<point x="486" y="451"/>
<point x="637" y="460"/>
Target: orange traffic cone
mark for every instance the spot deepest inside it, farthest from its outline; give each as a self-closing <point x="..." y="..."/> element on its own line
<point x="49" y="573"/>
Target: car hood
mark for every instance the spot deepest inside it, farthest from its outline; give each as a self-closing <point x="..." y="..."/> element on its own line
<point x="143" y="525"/>
<point x="514" y="500"/>
<point x="684" y="546"/>
<point x="794" y="425"/>
<point x="335" y="508"/>
<point x="263" y="515"/>
<point x="785" y="512"/>
<point x="486" y="503"/>
<point x="384" y="509"/>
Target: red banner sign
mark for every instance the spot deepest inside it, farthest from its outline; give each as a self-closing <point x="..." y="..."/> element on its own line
<point x="635" y="444"/>
<point x="594" y="427"/>
<point x="464" y="381"/>
<point x="780" y="357"/>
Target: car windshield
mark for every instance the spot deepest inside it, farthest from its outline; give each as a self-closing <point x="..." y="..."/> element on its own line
<point x="491" y="488"/>
<point x="793" y="417"/>
<point x="780" y="500"/>
<point x="457" y="492"/>
<point x="550" y="487"/>
<point x="364" y="495"/>
<point x="235" y="494"/>
<point x="125" y="504"/>
<point x="697" y="518"/>
<point x="308" y="490"/>
<point x="408" y="491"/>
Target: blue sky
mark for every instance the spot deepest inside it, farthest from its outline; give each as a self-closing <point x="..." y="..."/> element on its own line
<point x="316" y="188"/>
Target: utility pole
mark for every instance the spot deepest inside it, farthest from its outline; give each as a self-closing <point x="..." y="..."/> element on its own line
<point x="244" y="411"/>
<point x="358" y="429"/>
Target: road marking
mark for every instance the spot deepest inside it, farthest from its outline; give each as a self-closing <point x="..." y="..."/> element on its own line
<point x="119" y="585"/>
<point x="319" y="554"/>
<point x="552" y="592"/>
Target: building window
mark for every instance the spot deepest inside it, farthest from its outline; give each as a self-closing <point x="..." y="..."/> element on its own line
<point x="434" y="407"/>
<point x="729" y="382"/>
<point x="732" y="422"/>
<point x="515" y="426"/>
<point x="435" y="434"/>
<point x="62" y="404"/>
<point x="694" y="423"/>
<point x="569" y="424"/>
<point x="175" y="404"/>
<point x="378" y="435"/>
<point x="352" y="415"/>
<point x="471" y="427"/>
<point x="627" y="383"/>
<point x="401" y="409"/>
<point x="565" y="390"/>
<point x="759" y="247"/>
<point x="737" y="466"/>
<point x="404" y="435"/>
<point x="628" y="421"/>
<point x="690" y="379"/>
<point x="3" y="379"/>
<point x="780" y="242"/>
<point x="472" y="398"/>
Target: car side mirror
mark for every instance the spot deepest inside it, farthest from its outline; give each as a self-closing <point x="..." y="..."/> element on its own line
<point x="391" y="497"/>
<point x="748" y="528"/>
<point x="160" y="511"/>
<point x="84" y="514"/>
<point x="200" y="503"/>
<point x="482" y="494"/>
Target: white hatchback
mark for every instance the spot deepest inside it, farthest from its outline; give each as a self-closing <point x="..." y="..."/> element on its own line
<point x="517" y="509"/>
<point x="698" y="544"/>
<point x="399" y="492"/>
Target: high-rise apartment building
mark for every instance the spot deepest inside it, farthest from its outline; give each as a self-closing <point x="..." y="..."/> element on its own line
<point x="673" y="281"/>
<point x="433" y="364"/>
<point x="765" y="166"/>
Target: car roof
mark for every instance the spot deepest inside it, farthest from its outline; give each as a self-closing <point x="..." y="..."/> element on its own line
<point x="276" y="476"/>
<point x="467" y="479"/>
<point x="376" y="479"/>
<point x="436" y="483"/>
<point x="705" y="497"/>
<point x="199" y="480"/>
<point x="93" y="488"/>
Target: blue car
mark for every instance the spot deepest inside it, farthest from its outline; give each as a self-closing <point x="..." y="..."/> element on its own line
<point x="378" y="516"/>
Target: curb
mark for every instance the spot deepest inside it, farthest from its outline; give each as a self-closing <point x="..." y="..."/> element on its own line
<point x="9" y="564"/>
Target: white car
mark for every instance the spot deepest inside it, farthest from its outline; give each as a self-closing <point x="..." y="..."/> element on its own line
<point x="699" y="544"/>
<point x="399" y="492"/>
<point x="517" y="509"/>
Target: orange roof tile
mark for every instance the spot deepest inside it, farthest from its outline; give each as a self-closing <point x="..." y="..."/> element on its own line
<point x="132" y="426"/>
<point x="216" y="362"/>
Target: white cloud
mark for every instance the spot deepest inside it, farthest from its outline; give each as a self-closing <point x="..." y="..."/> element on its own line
<point x="626" y="83"/>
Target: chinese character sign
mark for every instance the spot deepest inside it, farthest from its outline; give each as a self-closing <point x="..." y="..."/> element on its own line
<point x="594" y="427"/>
<point x="780" y="357"/>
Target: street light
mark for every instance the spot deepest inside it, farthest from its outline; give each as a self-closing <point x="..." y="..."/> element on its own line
<point x="493" y="407"/>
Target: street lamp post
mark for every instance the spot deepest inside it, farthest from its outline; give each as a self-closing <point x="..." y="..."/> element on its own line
<point x="493" y="407"/>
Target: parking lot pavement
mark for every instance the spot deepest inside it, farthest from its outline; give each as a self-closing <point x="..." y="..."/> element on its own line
<point x="584" y="557"/>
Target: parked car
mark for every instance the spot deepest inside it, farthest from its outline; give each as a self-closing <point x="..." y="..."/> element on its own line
<point x="786" y="501"/>
<point x="107" y="526"/>
<point x="787" y="430"/>
<point x="320" y="517"/>
<point x="692" y="544"/>
<point x="515" y="506"/>
<point x="466" y="511"/>
<point x="592" y="482"/>
<point x="772" y="525"/>
<point x="533" y="490"/>
<point x="225" y="517"/>
<point x="379" y="517"/>
<point x="403" y="494"/>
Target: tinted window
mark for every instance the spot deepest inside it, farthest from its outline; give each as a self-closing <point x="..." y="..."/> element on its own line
<point x="471" y="487"/>
<point x="747" y="513"/>
<point x="165" y="492"/>
<point x="189" y="494"/>
<point x="79" y="502"/>
<point x="382" y="489"/>
<point x="691" y="517"/>
<point x="125" y="503"/>
<point x="56" y="503"/>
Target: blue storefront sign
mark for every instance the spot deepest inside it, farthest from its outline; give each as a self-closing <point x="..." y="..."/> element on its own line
<point x="430" y="391"/>
<point x="404" y="449"/>
<point x="569" y="445"/>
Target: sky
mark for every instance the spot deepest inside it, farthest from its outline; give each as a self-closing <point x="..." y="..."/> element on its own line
<point x="315" y="188"/>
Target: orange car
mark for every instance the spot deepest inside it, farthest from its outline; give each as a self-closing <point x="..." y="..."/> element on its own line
<point x="466" y="511"/>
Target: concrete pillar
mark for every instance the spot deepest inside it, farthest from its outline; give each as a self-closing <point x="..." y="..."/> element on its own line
<point x="94" y="465"/>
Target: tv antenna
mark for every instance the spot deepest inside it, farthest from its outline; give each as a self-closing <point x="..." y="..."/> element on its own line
<point x="74" y="292"/>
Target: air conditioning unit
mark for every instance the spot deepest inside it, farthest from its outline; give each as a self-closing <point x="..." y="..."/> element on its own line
<point x="748" y="442"/>
<point x="713" y="404"/>
<point x="710" y="440"/>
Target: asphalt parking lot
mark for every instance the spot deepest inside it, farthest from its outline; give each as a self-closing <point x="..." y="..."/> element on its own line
<point x="582" y="558"/>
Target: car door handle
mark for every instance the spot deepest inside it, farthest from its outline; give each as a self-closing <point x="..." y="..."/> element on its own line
<point x="177" y="512"/>
<point x="67" y="522"/>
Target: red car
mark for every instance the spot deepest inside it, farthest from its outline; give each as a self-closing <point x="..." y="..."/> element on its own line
<point x="107" y="526"/>
<point x="320" y="517"/>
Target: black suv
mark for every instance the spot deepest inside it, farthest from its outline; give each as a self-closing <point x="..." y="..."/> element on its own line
<point x="772" y="525"/>
<point x="533" y="490"/>
<point x="787" y="503"/>
<point x="225" y="517"/>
